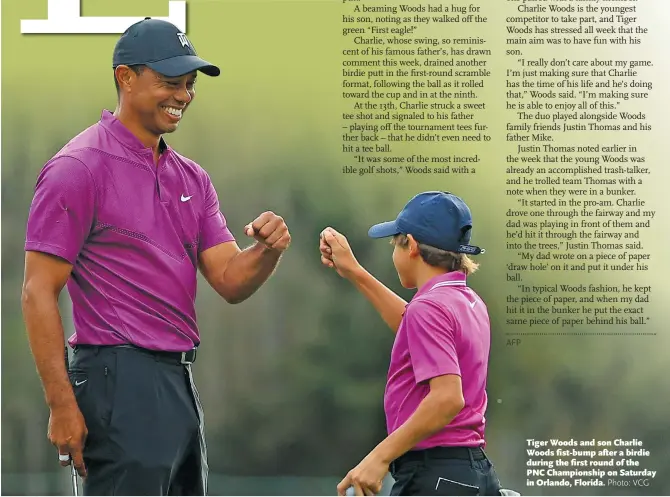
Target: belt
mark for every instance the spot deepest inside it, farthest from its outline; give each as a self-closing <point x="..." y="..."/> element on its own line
<point x="423" y="455"/>
<point x="187" y="357"/>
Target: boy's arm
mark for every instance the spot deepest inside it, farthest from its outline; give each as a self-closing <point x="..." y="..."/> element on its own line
<point x="336" y="253"/>
<point x="436" y="410"/>
<point x="431" y="335"/>
<point x="431" y="340"/>
<point x="389" y="305"/>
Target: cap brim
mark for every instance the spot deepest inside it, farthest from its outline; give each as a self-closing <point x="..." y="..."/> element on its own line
<point x="183" y="64"/>
<point x="383" y="230"/>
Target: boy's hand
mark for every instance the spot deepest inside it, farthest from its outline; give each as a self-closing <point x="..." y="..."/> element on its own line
<point x="336" y="253"/>
<point x="366" y="478"/>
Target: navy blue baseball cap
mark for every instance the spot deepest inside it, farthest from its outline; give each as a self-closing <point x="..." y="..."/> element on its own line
<point x="161" y="46"/>
<point x="439" y="219"/>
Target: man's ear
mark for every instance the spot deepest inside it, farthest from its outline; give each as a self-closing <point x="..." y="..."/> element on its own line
<point x="413" y="246"/>
<point x="125" y="77"/>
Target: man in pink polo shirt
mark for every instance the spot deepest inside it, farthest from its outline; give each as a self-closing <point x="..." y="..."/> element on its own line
<point x="127" y="222"/>
<point x="435" y="397"/>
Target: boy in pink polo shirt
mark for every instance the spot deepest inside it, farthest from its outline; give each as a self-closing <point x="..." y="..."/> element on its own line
<point x="435" y="397"/>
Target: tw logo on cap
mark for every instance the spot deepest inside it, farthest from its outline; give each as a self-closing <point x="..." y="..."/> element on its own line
<point x="184" y="41"/>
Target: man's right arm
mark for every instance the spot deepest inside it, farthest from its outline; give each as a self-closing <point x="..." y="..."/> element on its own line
<point x="61" y="216"/>
<point x="59" y="222"/>
<point x="45" y="277"/>
<point x="336" y="253"/>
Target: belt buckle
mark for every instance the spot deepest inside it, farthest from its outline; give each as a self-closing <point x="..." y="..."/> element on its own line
<point x="188" y="357"/>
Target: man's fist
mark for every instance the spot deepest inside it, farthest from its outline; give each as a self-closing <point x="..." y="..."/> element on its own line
<point x="270" y="230"/>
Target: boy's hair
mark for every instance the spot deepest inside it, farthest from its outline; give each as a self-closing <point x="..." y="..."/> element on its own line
<point x="451" y="261"/>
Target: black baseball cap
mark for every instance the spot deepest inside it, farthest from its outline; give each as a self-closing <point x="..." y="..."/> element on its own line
<point x="161" y="46"/>
<point x="439" y="219"/>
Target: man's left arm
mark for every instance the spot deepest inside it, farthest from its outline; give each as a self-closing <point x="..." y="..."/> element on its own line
<point x="236" y="274"/>
<point x="430" y="335"/>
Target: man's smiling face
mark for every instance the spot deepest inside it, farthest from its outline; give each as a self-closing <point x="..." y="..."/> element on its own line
<point x="157" y="101"/>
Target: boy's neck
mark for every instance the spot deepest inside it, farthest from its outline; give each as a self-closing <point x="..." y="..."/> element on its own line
<point x="425" y="273"/>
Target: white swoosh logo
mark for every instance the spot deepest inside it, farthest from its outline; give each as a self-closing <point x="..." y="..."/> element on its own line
<point x="186" y="199"/>
<point x="474" y="302"/>
<point x="77" y="383"/>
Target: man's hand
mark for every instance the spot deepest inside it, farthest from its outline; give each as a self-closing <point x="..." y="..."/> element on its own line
<point x="270" y="230"/>
<point x="336" y="253"/>
<point x="67" y="431"/>
<point x="366" y="478"/>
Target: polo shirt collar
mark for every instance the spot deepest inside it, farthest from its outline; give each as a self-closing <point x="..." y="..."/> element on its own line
<point x="109" y="121"/>
<point x="453" y="278"/>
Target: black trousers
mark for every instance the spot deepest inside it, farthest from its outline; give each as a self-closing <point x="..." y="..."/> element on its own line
<point x="444" y="471"/>
<point x="144" y="420"/>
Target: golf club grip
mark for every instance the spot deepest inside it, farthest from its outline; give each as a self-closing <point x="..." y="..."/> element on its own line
<point x="73" y="471"/>
<point x="75" y="483"/>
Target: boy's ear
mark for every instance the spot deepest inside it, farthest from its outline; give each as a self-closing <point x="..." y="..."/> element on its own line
<point x="413" y="246"/>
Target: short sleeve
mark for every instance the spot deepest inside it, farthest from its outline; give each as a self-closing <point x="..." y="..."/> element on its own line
<point x="431" y="341"/>
<point x="62" y="211"/>
<point x="213" y="227"/>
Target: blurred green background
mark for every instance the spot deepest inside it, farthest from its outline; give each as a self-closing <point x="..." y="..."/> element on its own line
<point x="292" y="380"/>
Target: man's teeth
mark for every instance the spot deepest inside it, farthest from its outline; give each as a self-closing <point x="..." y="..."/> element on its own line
<point x="173" y="111"/>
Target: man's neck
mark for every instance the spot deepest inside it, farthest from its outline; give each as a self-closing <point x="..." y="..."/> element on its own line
<point x="147" y="138"/>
